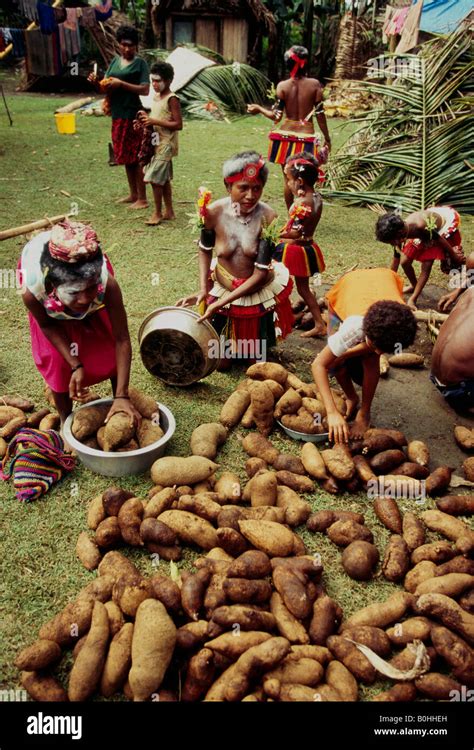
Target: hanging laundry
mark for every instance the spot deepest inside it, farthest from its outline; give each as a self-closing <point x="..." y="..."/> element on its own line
<point x="73" y="41"/>
<point x="409" y="38"/>
<point x="7" y="35"/>
<point x="103" y="11"/>
<point x="88" y="18"/>
<point x="396" y="22"/>
<point x="71" y="22"/>
<point x="37" y="55"/>
<point x="63" y="54"/>
<point x="56" y="54"/>
<point x="47" y="18"/>
<point x="28" y="9"/>
<point x="18" y="41"/>
<point x="60" y="15"/>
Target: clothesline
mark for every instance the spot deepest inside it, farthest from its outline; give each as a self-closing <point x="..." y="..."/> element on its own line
<point x="50" y="18"/>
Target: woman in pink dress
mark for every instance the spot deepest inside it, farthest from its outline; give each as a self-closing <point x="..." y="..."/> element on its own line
<point x="78" y="324"/>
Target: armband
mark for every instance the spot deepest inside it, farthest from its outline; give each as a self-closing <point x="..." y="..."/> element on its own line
<point x="207" y="240"/>
<point x="264" y="255"/>
<point x="319" y="109"/>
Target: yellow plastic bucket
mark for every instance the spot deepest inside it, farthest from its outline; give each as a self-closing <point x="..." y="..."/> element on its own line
<point x="66" y="122"/>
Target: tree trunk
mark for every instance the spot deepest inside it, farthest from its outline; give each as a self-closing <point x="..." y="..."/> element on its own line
<point x="158" y="30"/>
<point x="148" y="33"/>
<point x="308" y="17"/>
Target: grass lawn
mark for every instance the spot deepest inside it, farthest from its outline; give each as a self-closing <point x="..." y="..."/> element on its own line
<point x="40" y="572"/>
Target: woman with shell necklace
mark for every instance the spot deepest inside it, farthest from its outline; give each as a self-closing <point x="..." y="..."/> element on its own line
<point x="243" y="292"/>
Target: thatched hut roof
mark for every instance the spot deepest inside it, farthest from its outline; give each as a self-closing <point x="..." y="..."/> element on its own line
<point x="244" y="8"/>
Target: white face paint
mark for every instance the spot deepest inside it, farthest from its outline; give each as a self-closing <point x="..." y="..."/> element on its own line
<point x="158" y="84"/>
<point x="67" y="293"/>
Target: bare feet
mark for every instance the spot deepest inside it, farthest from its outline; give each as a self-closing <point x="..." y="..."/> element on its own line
<point x="351" y="407"/>
<point x="359" y="426"/>
<point x="408" y="289"/>
<point x="411" y="304"/>
<point x="127" y="199"/>
<point x="154" y="220"/>
<point x="168" y="217"/>
<point x="319" y="331"/>
<point x="138" y="205"/>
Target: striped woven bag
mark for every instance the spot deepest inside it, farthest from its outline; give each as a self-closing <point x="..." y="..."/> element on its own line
<point x="36" y="460"/>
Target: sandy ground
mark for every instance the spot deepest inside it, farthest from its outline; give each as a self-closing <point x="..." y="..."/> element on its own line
<point x="406" y="399"/>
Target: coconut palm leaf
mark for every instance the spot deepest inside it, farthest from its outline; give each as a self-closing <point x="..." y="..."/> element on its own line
<point x="415" y="150"/>
<point x="224" y="90"/>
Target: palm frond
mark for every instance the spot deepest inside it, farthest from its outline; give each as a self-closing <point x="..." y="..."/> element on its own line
<point x="415" y="149"/>
<point x="223" y="91"/>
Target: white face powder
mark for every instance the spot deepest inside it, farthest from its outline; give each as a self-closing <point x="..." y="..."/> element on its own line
<point x="158" y="83"/>
<point x="68" y="292"/>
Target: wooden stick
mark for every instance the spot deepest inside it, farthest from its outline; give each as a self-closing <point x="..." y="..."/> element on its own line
<point x="430" y="316"/>
<point x="26" y="228"/>
<point x="433" y="329"/>
<point x="76" y="104"/>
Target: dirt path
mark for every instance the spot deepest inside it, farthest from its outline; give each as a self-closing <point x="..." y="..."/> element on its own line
<point x="407" y="399"/>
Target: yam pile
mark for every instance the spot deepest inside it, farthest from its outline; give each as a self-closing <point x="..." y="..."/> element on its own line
<point x="118" y="434"/>
<point x="251" y="620"/>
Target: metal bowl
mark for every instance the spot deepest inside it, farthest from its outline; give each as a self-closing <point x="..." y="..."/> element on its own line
<point x="176" y="348"/>
<point x="112" y="464"/>
<point x="305" y="436"/>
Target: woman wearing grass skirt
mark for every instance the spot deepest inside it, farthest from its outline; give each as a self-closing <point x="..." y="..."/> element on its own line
<point x="78" y="324"/>
<point x="243" y="292"/>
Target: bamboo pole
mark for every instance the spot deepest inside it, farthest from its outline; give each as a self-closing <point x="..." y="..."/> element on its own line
<point x="430" y="316"/>
<point x="26" y="228"/>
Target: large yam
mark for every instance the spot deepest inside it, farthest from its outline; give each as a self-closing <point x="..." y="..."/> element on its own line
<point x="457" y="505"/>
<point x="257" y="446"/>
<point x="118" y="661"/>
<point x="449" y="612"/>
<point x="87" y="420"/>
<point x="191" y="528"/>
<point x="268" y="371"/>
<point x="262" y="403"/>
<point x="270" y="537"/>
<point x="313" y="462"/>
<point x="381" y="614"/>
<point x="388" y="512"/>
<point x="87" y="669"/>
<point x="288" y="625"/>
<point x="172" y="470"/>
<point x="234" y="408"/>
<point x="418" y="452"/>
<point x="154" y="638"/>
<point x="289" y="403"/>
<point x="207" y="438"/>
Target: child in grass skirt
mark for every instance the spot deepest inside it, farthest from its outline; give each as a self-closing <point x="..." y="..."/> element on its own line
<point x="424" y="236"/>
<point x="298" y="251"/>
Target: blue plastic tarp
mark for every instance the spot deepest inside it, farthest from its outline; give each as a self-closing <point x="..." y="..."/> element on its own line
<point x="443" y="16"/>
